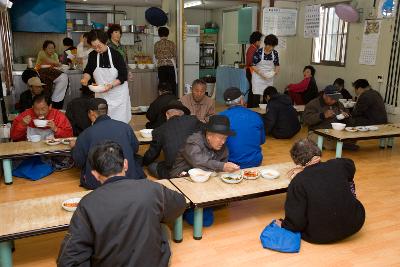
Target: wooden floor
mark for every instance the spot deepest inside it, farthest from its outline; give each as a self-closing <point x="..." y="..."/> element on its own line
<point x="233" y="240"/>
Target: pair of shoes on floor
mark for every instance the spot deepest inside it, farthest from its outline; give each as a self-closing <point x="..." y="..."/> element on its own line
<point x="65" y="164"/>
<point x="351" y="147"/>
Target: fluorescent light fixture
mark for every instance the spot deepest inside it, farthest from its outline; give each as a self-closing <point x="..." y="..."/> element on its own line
<point x="192" y="3"/>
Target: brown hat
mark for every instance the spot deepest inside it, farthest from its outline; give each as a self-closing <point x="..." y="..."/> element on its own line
<point x="35" y="81"/>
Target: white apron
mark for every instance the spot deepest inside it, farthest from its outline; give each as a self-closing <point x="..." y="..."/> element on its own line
<point x="118" y="99"/>
<point x="259" y="83"/>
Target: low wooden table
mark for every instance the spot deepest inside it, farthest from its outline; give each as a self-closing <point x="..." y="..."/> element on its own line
<point x="39" y="216"/>
<point x="142" y="140"/>
<point x="22" y="149"/>
<point x="32" y="217"/>
<point x="137" y="111"/>
<point x="178" y="225"/>
<point x="385" y="133"/>
<point x="216" y="192"/>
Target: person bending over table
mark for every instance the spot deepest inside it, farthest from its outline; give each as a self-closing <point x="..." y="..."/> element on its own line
<point x="321" y="203"/>
<point x="280" y="119"/>
<point x="169" y="138"/>
<point x="57" y="126"/>
<point x="303" y="92"/>
<point x="206" y="149"/>
<point x="120" y="223"/>
<point x="154" y="114"/>
<point x="50" y="75"/>
<point x="320" y="112"/>
<point x="35" y="87"/>
<point x="107" y="67"/>
<point x="198" y="103"/>
<point x="265" y="67"/>
<point x="104" y="128"/>
<point x="370" y="108"/>
<point x="245" y="147"/>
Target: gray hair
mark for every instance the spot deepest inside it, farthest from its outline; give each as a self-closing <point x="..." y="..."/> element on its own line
<point x="175" y="112"/>
<point x="303" y="151"/>
<point x="234" y="102"/>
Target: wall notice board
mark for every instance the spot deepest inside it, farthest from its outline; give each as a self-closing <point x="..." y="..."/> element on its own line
<point x="279" y="21"/>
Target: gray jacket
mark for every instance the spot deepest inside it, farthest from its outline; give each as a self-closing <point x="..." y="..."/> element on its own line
<point x="197" y="153"/>
<point x="313" y="115"/>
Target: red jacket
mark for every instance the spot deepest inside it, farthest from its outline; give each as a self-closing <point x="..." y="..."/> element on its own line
<point x="249" y="55"/>
<point x="299" y="87"/>
<point x="18" y="129"/>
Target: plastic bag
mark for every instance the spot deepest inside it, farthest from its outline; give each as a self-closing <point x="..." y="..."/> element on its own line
<point x="279" y="239"/>
<point x="33" y="169"/>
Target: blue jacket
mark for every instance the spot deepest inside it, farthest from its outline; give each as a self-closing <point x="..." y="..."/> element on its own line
<point x="105" y="128"/>
<point x="245" y="147"/>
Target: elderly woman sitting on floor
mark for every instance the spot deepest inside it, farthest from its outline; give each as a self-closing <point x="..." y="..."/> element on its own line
<point x="321" y="201"/>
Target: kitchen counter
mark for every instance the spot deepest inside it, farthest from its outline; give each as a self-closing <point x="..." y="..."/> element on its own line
<point x="228" y="76"/>
<point x="143" y="86"/>
<point x="144" y="70"/>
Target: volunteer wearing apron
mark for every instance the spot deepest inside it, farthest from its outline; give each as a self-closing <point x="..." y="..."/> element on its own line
<point x="265" y="67"/>
<point x="107" y="67"/>
<point x="165" y="54"/>
<point x="255" y="42"/>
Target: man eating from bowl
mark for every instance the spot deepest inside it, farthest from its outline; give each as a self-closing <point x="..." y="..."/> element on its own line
<point x="206" y="150"/>
<point x="104" y="128"/>
<point x="320" y="112"/>
<point x="28" y="122"/>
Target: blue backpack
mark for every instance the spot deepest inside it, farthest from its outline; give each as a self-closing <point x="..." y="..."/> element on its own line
<point x="279" y="239"/>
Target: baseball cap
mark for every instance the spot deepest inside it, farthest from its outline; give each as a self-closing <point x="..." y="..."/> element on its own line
<point x="232" y="93"/>
<point x="35" y="81"/>
<point x="332" y="92"/>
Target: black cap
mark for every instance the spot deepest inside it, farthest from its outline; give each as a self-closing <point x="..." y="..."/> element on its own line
<point x="175" y="104"/>
<point x="332" y="92"/>
<point x="96" y="104"/>
<point x="219" y="124"/>
<point x="232" y="93"/>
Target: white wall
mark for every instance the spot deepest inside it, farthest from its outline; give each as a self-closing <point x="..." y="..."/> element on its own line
<point x="298" y="53"/>
<point x="197" y="16"/>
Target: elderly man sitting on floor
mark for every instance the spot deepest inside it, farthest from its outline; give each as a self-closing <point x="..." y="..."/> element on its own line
<point x="320" y="112"/>
<point x="245" y="146"/>
<point x="206" y="150"/>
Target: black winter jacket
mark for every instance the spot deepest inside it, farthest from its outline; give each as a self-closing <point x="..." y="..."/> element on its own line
<point x="320" y="204"/>
<point x="281" y="119"/>
<point x="154" y="115"/>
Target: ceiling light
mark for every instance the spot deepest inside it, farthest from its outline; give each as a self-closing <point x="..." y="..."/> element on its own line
<point x="192" y="3"/>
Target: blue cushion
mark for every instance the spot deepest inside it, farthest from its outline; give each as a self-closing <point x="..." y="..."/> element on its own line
<point x="33" y="169"/>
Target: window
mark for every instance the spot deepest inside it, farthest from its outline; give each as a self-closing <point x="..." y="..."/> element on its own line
<point x="330" y="47"/>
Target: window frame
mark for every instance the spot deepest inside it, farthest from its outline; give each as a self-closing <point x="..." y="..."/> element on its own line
<point x="329" y="62"/>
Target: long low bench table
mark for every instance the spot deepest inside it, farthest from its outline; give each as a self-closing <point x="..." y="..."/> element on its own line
<point x="13" y="150"/>
<point x="142" y="140"/>
<point x="38" y="216"/>
<point x="385" y="132"/>
<point x="216" y="192"/>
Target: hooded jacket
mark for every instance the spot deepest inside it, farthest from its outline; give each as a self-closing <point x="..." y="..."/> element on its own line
<point x="281" y="119"/>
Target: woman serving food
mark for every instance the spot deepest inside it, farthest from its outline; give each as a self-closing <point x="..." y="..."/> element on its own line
<point x="108" y="69"/>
